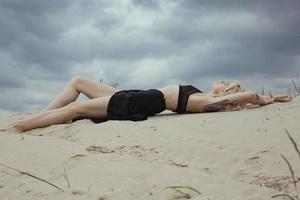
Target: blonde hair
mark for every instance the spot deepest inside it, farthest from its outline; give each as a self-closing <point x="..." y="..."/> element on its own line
<point x="231" y="88"/>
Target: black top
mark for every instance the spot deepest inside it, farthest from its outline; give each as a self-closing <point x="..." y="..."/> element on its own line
<point x="184" y="92"/>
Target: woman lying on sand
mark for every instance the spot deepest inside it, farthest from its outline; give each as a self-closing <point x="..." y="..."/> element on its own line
<point x="106" y="102"/>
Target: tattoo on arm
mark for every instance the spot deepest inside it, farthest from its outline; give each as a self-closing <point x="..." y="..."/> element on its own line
<point x="214" y="107"/>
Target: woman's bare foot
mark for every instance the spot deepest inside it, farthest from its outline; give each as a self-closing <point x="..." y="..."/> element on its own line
<point x="12" y="128"/>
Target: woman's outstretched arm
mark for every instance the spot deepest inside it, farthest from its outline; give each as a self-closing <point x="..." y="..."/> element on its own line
<point x="218" y="103"/>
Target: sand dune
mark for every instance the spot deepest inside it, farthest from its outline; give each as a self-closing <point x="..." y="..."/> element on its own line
<point x="226" y="155"/>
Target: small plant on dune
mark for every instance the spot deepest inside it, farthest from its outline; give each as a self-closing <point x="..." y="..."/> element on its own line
<point x="66" y="178"/>
<point x="263" y="91"/>
<point x="32" y="176"/>
<point x="296" y="197"/>
<point x="296" y="88"/>
<point x="184" y="194"/>
<point x="113" y="84"/>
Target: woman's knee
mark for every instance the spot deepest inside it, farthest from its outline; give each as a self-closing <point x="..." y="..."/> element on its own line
<point x="77" y="80"/>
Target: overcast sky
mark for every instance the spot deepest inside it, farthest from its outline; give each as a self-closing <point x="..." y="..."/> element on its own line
<point x="144" y="44"/>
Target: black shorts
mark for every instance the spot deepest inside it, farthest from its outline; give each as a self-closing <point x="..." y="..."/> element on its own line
<point x="135" y="105"/>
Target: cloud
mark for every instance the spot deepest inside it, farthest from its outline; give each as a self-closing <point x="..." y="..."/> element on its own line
<point x="144" y="44"/>
<point x="151" y="4"/>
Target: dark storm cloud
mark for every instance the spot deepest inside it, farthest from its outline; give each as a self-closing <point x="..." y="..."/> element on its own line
<point x="9" y="81"/>
<point x="244" y="37"/>
<point x="153" y="4"/>
<point x="145" y="43"/>
<point x="38" y="33"/>
<point x="32" y="16"/>
<point x="29" y="30"/>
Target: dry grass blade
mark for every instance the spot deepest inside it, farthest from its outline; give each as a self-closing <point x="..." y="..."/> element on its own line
<point x="262" y="91"/>
<point x="33" y="176"/>
<point x="293" y="141"/>
<point x="66" y="177"/>
<point x="185" y="195"/>
<point x="292" y="174"/>
<point x="298" y="83"/>
<point x="185" y="187"/>
<point x="296" y="89"/>
<point x="283" y="195"/>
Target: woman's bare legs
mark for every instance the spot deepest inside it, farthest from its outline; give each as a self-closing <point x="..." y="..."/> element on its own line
<point x="80" y="84"/>
<point x="64" y="108"/>
<point x="96" y="107"/>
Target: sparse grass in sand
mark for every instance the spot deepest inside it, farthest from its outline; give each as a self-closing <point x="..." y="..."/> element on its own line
<point x="262" y="91"/>
<point x="184" y="194"/>
<point x="113" y="84"/>
<point x="296" y="90"/>
<point x="291" y="91"/>
<point x="66" y="178"/>
<point x="33" y="176"/>
<point x="296" y="197"/>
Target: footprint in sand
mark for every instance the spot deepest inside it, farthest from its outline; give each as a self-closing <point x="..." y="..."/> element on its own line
<point x="177" y="164"/>
<point x="136" y="150"/>
<point x="279" y="183"/>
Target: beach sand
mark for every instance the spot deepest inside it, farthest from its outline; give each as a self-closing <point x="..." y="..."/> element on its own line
<point x="224" y="155"/>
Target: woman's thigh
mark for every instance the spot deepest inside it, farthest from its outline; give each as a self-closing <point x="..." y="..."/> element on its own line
<point x="92" y="88"/>
<point x="96" y="107"/>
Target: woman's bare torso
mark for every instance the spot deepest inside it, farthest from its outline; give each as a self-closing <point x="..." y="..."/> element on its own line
<point x="195" y="103"/>
<point x="171" y="96"/>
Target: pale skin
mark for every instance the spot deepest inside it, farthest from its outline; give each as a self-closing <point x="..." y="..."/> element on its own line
<point x="64" y="107"/>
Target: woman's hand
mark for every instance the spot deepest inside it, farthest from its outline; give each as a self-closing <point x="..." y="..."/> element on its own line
<point x="281" y="98"/>
<point x="6" y="129"/>
<point x="3" y="129"/>
<point x="278" y="98"/>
